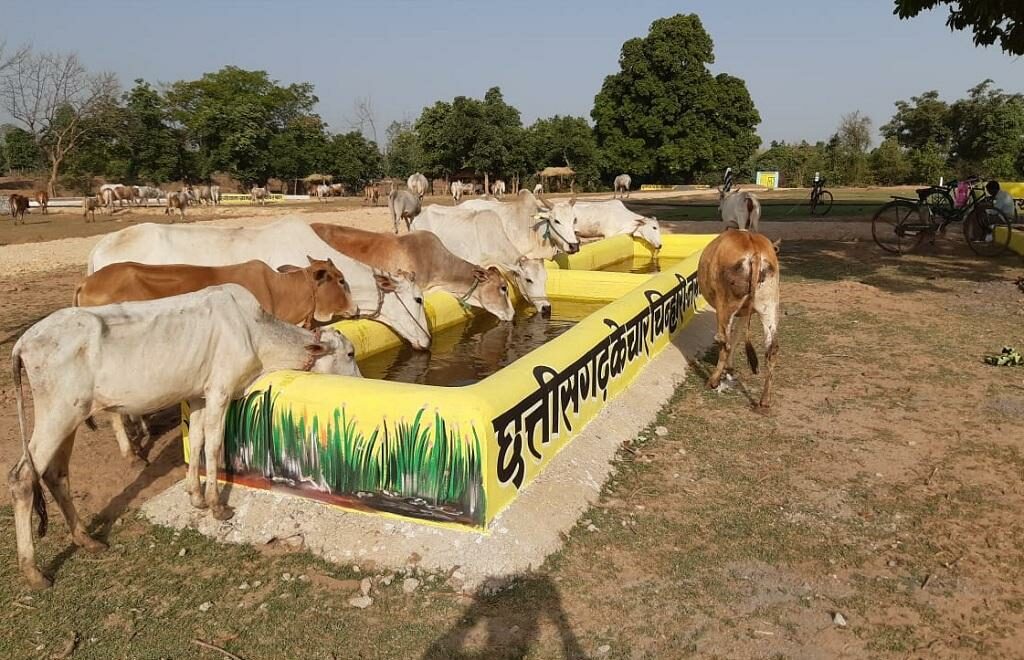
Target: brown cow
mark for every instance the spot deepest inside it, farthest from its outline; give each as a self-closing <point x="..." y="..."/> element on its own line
<point x="371" y="195"/>
<point x="308" y="296"/>
<point x="423" y="254"/>
<point x="124" y="194"/>
<point x="738" y="275"/>
<point x="176" y="201"/>
<point x="43" y="200"/>
<point x="89" y="205"/>
<point x="18" y="205"/>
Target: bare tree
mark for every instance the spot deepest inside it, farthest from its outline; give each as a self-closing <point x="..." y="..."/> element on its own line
<point x="363" y="107"/>
<point x="56" y="100"/>
<point x="9" y="61"/>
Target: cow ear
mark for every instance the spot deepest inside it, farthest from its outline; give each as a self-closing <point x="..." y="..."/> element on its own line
<point x="406" y="274"/>
<point x="480" y="274"/>
<point x="495" y="270"/>
<point x="776" y="244"/>
<point x="318" y="349"/>
<point x="287" y="268"/>
<point x="384" y="282"/>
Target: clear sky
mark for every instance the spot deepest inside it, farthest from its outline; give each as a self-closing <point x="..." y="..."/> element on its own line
<point x="806" y="63"/>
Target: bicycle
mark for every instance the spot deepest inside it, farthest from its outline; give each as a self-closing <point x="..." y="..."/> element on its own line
<point x="821" y="199"/>
<point x="902" y="225"/>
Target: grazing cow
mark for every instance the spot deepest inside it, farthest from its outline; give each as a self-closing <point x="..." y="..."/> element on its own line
<point x="18" y="205"/>
<point x="404" y="205"/>
<point x="82" y="361"/>
<point x="612" y="218"/>
<point x="738" y="275"/>
<point x="146" y="193"/>
<point x="739" y="209"/>
<point x="479" y="237"/>
<point x="425" y="256"/>
<point x="392" y="299"/>
<point x="538" y="189"/>
<point x="418" y="184"/>
<point x="259" y="196"/>
<point x="124" y="194"/>
<point x="456" y="191"/>
<point x="498" y="188"/>
<point x="176" y="201"/>
<point x="540" y="229"/>
<point x="43" y="200"/>
<point x="370" y="195"/>
<point x="622" y="184"/>
<point x="89" y="205"/>
<point x="323" y="191"/>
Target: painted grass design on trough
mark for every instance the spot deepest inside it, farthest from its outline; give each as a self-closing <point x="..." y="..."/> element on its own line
<point x="413" y="468"/>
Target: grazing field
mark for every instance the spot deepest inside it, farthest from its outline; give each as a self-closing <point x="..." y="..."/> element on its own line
<point x="885" y="487"/>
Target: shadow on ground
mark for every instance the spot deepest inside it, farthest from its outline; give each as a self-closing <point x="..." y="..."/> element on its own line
<point x="498" y="626"/>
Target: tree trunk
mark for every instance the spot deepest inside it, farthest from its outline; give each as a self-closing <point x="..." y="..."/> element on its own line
<point x="54" y="172"/>
<point x="487" y="185"/>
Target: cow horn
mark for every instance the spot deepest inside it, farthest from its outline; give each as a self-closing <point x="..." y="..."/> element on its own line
<point x="545" y="202"/>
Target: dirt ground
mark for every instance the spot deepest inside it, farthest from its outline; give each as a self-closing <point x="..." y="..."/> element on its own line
<point x="876" y="511"/>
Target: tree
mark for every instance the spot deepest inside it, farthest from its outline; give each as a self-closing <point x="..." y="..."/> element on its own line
<point x="988" y="132"/>
<point x="57" y="101"/>
<point x="567" y="141"/>
<point x="889" y="164"/>
<point x="147" y="142"/>
<point x="403" y="154"/>
<point x="298" y="150"/>
<point x="21" y="153"/>
<point x="230" y="116"/>
<point x="353" y="160"/>
<point x="664" y="115"/>
<point x="921" y="121"/>
<point x="847" y="151"/>
<point x="991" y="21"/>
<point x="796" y="163"/>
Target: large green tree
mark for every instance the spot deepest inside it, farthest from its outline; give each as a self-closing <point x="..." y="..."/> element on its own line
<point x="148" y="143"/>
<point x="21" y="152"/>
<point x="231" y="116"/>
<point x="565" y="141"/>
<point x="298" y="150"/>
<point x="920" y="121"/>
<point x="353" y="160"/>
<point x="664" y="116"/>
<point x="988" y="132"/>
<point x="403" y="154"/>
<point x="991" y="21"/>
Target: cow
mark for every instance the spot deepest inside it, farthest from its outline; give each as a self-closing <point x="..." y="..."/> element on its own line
<point x="259" y="196"/>
<point x="417" y="184"/>
<point x="124" y="194"/>
<point x="89" y="205"/>
<point x="82" y="361"/>
<point x="479" y="237"/>
<point x="538" y="228"/>
<point x="403" y="205"/>
<point x="738" y="274"/>
<point x="146" y="193"/>
<point x="106" y="197"/>
<point x="337" y="189"/>
<point x="498" y="188"/>
<point x="739" y="209"/>
<point x="202" y="194"/>
<point x="612" y="218"/>
<point x="43" y="200"/>
<point x="215" y="195"/>
<point x="538" y="189"/>
<point x="456" y="191"/>
<point x="323" y="191"/>
<point x="621" y="185"/>
<point x="425" y="256"/>
<point x="176" y="201"/>
<point x="391" y="299"/>
<point x="370" y="194"/>
<point x="18" y="205"/>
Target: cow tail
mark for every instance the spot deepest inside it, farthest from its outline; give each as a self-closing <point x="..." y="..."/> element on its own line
<point x="38" y="501"/>
<point x="755" y="276"/>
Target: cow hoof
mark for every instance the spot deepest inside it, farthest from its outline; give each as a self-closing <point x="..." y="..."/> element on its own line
<point x="197" y="500"/>
<point x="713" y="383"/>
<point x="37" y="581"/>
<point x="90" y="544"/>
<point x="222" y="512"/>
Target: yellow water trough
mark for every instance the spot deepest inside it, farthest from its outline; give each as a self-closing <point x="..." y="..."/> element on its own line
<point x="457" y="456"/>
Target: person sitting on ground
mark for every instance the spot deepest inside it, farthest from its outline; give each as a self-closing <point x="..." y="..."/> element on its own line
<point x="1001" y="200"/>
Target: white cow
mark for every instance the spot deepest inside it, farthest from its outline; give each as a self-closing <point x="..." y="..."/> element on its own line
<point x="622" y="184"/>
<point x="537" y="227"/>
<point x="146" y="193"/>
<point x="538" y="189"/>
<point x="259" y="196"/>
<point x="612" y="218"/>
<point x="739" y="209"/>
<point x="323" y="191"/>
<point x="107" y="197"/>
<point x="478" y="236"/>
<point x="392" y="299"/>
<point x="138" y="358"/>
<point x="457" y="191"/>
<point x="403" y="205"/>
<point x="418" y="184"/>
<point x="498" y="188"/>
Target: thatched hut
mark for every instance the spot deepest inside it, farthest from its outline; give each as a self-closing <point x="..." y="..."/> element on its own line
<point x="554" y="178"/>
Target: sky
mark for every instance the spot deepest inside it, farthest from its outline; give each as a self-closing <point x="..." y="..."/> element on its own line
<point x="805" y="63"/>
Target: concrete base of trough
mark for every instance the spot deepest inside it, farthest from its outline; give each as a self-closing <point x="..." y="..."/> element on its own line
<point x="519" y="539"/>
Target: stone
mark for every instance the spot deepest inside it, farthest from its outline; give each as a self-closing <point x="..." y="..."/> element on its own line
<point x="603" y="649"/>
<point x="182" y="552"/>
<point x="364" y="586"/>
<point x="362" y="602"/>
<point x="410" y="585"/>
<point x="287" y="577"/>
<point x="661" y="431"/>
<point x="592" y="528"/>
<point x="387" y="579"/>
<point x="243" y="586"/>
<point x="839" y="619"/>
<point x="205" y="607"/>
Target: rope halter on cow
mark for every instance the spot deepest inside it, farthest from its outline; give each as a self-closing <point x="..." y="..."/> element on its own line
<point x="312" y="357"/>
<point x="549" y="228"/>
<point x="464" y="299"/>
<point x="380" y="305"/>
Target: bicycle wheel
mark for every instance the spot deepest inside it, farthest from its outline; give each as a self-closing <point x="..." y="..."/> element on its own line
<point x="939" y="201"/>
<point x="898" y="228"/>
<point x="823" y="204"/>
<point x="987" y="231"/>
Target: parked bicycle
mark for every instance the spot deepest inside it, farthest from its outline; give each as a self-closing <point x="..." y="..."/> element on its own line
<point x="821" y="199"/>
<point x="902" y="225"/>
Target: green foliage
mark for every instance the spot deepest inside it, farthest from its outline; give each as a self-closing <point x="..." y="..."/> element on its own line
<point x="299" y="149"/>
<point x="565" y="141"/>
<point x="796" y="163"/>
<point x="20" y="151"/>
<point x="991" y="21"/>
<point x="147" y="142"/>
<point x="927" y="164"/>
<point x="353" y="160"/>
<point x="403" y="154"/>
<point x="664" y="116"/>
<point x="988" y="130"/>
<point x="846" y="154"/>
<point x="921" y="121"/>
<point x="404" y="459"/>
<point x="889" y="164"/>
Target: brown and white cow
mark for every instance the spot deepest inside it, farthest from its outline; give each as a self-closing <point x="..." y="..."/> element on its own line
<point x="259" y="195"/>
<point x="18" y="205"/>
<point x="176" y="201"/>
<point x="125" y="194"/>
<point x="43" y="200"/>
<point x="137" y="358"/>
<point x="738" y="275"/>
<point x="371" y="195"/>
<point x="425" y="256"/>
